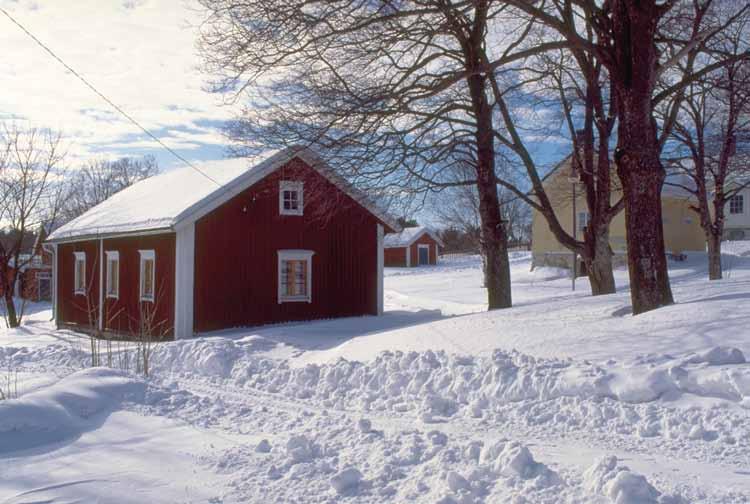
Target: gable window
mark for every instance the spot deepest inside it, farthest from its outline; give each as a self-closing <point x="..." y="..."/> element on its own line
<point x="737" y="204"/>
<point x="148" y="274"/>
<point x="291" y="200"/>
<point x="79" y="273"/>
<point x="295" y="276"/>
<point x="113" y="274"/>
<point x="584" y="218"/>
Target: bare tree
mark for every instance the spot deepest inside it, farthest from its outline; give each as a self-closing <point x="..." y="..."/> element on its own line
<point x="31" y="171"/>
<point x="576" y="86"/>
<point x="97" y="180"/>
<point x="712" y="138"/>
<point x="398" y="94"/>
<point x="638" y="41"/>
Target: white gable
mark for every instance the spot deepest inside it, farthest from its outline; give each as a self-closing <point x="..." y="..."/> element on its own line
<point x="164" y="201"/>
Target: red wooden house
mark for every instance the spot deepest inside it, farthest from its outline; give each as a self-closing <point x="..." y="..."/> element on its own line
<point x="415" y="246"/>
<point x="34" y="280"/>
<point x="180" y="253"/>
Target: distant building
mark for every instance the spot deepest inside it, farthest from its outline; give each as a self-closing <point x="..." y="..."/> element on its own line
<point x="282" y="240"/>
<point x="682" y="230"/>
<point x="737" y="215"/>
<point x="34" y="281"/>
<point x="414" y="246"/>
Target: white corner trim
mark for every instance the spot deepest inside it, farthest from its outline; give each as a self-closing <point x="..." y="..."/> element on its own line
<point x="145" y="256"/>
<point x="112" y="255"/>
<point x="55" y="273"/>
<point x="381" y="263"/>
<point x="184" y="282"/>
<point x="299" y="188"/>
<point x="295" y="255"/>
<point x="408" y="256"/>
<point x="101" y="284"/>
<point x="79" y="256"/>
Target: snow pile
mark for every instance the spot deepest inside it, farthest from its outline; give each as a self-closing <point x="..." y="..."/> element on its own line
<point x="438" y="384"/>
<point x="346" y="481"/>
<point x="509" y="387"/>
<point x="335" y="460"/>
<point x="54" y="356"/>
<point x="64" y="410"/>
<point x="606" y="477"/>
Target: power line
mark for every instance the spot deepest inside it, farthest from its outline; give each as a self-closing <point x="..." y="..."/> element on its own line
<point x="103" y="97"/>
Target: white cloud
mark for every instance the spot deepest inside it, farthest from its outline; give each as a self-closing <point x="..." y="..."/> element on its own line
<point x="140" y="53"/>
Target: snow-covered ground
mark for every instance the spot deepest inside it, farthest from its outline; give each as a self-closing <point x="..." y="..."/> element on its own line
<point x="564" y="398"/>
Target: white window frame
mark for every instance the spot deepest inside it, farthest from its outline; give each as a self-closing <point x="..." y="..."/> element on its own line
<point x="295" y="255"/>
<point x="741" y="199"/>
<point x="147" y="255"/>
<point x="298" y="187"/>
<point x="423" y="246"/>
<point x="79" y="256"/>
<point x="112" y="256"/>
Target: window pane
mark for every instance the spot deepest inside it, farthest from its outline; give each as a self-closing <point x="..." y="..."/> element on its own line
<point x="291" y="200"/>
<point x="80" y="275"/>
<point x="300" y="280"/>
<point x="114" y="283"/>
<point x="293" y="278"/>
<point x="737" y="204"/>
<point x="148" y="278"/>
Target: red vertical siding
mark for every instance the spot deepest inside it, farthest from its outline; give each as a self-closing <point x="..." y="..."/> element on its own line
<point x="124" y="313"/>
<point x="236" y="275"/>
<point x="395" y="257"/>
<point x="75" y="308"/>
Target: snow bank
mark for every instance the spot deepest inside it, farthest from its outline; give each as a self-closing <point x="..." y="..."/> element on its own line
<point x="66" y="409"/>
<point x="610" y="479"/>
<point x="628" y="399"/>
<point x="438" y="384"/>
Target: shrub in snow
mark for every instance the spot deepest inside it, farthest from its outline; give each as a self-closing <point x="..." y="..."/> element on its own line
<point x="346" y="481"/>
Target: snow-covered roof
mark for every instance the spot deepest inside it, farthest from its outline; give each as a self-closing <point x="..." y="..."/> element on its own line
<point x="165" y="201"/>
<point x="409" y="236"/>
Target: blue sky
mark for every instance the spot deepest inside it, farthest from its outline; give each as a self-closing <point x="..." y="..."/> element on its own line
<point x="139" y="53"/>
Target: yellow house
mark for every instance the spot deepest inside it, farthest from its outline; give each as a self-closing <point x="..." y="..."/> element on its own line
<point x="682" y="231"/>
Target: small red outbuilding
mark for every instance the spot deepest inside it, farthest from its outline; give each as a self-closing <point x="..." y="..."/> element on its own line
<point x="415" y="246"/>
<point x="186" y="252"/>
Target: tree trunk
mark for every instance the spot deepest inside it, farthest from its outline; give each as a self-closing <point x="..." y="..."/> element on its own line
<point x="10" y="307"/>
<point x="714" y="256"/>
<point x="599" y="266"/>
<point x="637" y="155"/>
<point x="642" y="177"/>
<point x="493" y="236"/>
